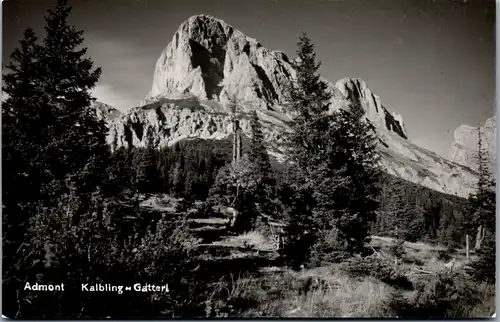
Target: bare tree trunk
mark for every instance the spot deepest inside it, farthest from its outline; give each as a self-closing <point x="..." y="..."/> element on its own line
<point x="479" y="237"/>
<point x="236" y="196"/>
<point x="467" y="248"/>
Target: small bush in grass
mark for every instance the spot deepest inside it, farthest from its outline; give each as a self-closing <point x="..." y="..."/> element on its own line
<point x="381" y="269"/>
<point x="397" y="249"/>
<point x="447" y="254"/>
<point x="329" y="248"/>
<point x="233" y="296"/>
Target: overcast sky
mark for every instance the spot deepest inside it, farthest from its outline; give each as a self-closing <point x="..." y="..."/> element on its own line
<point x="430" y="61"/>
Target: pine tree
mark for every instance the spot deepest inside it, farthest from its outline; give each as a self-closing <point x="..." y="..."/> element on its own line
<point x="68" y="78"/>
<point x="147" y="171"/>
<point x="309" y="105"/>
<point x="483" y="201"/>
<point x="71" y="215"/>
<point x="335" y="169"/>
<point x="347" y="183"/>
<point x="394" y="206"/>
<point x="21" y="118"/>
<point x="22" y="175"/>
<point x="259" y="158"/>
<point x="258" y="152"/>
<point x="356" y="137"/>
<point x="482" y="206"/>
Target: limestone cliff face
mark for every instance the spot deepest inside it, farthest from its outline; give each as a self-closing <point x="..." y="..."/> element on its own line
<point x="212" y="60"/>
<point x="465" y="145"/>
<point x="356" y="90"/>
<point x="209" y="64"/>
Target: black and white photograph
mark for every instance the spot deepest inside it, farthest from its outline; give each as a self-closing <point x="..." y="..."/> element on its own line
<point x="214" y="159"/>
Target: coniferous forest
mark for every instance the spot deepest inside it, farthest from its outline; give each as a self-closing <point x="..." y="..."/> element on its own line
<point x="352" y="240"/>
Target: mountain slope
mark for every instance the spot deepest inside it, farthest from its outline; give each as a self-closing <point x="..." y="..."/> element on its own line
<point x="209" y="64"/>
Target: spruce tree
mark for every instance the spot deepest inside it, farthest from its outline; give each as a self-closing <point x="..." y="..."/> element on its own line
<point x="258" y="153"/>
<point x="22" y="175"/>
<point x="483" y="201"/>
<point x="347" y="185"/>
<point x="482" y="206"/>
<point x="335" y="169"/>
<point x="63" y="162"/>
<point x="21" y="117"/>
<point x="73" y="126"/>
<point x="147" y="169"/>
<point x="393" y="207"/>
<point x="309" y="104"/>
<point x="353" y="200"/>
<point x="259" y="159"/>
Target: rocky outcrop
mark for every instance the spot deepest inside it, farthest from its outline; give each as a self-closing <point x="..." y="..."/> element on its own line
<point x="212" y="60"/>
<point x="209" y="64"/>
<point x="107" y="112"/>
<point x="465" y="145"/>
<point x="173" y="120"/>
<point x="356" y="90"/>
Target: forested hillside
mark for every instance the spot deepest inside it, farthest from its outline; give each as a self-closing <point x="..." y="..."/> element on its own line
<point x="416" y="213"/>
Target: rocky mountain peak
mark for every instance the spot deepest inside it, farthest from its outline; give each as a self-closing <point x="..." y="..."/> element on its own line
<point x="356" y="90"/>
<point x="212" y="60"/>
<point x="209" y="65"/>
<point x="106" y="112"/>
<point x="465" y="144"/>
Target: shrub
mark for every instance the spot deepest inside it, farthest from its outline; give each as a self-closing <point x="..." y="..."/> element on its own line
<point x="447" y="254"/>
<point x="233" y="296"/>
<point x="397" y="249"/>
<point x="446" y="296"/>
<point x="382" y="269"/>
<point x="329" y="248"/>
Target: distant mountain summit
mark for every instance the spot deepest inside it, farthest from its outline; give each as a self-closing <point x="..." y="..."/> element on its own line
<point x="211" y="60"/>
<point x="465" y="144"/>
<point x="209" y="64"/>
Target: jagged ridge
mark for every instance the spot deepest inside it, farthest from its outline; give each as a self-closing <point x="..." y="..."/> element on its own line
<point x="208" y="63"/>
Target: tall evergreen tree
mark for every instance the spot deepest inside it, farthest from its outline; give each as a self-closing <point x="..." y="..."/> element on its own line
<point x="22" y="175"/>
<point x="63" y="162"/>
<point x="73" y="126"/>
<point x="399" y="215"/>
<point x="259" y="158"/>
<point x="21" y="122"/>
<point x="147" y="169"/>
<point x="335" y="173"/>
<point x="309" y="104"/>
<point x="348" y="189"/>
<point x="258" y="152"/>
<point x="482" y="206"/>
<point x="483" y="201"/>
<point x="393" y="207"/>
